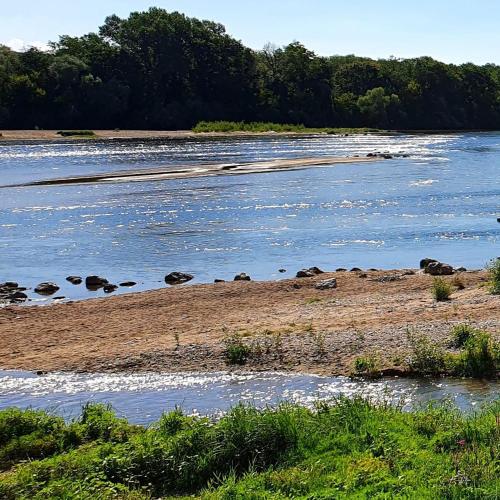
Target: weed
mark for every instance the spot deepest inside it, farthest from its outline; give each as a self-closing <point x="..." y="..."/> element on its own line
<point x="441" y="289"/>
<point x="461" y="334"/>
<point x="235" y="350"/>
<point x="319" y="339"/>
<point x="426" y="357"/>
<point x="367" y="366"/>
<point x="494" y="272"/>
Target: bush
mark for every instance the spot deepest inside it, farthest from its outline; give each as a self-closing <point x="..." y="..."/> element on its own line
<point x="367" y="366"/>
<point x="494" y="271"/>
<point x="480" y="357"/>
<point x="426" y="357"/>
<point x="235" y="350"/>
<point x="461" y="334"/>
<point x="441" y="289"/>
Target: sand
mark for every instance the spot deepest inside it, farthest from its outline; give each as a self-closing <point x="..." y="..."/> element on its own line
<point x="288" y="324"/>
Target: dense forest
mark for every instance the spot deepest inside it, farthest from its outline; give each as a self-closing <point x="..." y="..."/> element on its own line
<point x="161" y="70"/>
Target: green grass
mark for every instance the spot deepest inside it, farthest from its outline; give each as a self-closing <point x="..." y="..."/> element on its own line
<point x="441" y="289"/>
<point x="346" y="449"/>
<point x="235" y="350"/>
<point x="227" y="126"/>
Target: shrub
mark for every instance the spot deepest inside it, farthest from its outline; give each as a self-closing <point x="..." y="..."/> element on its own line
<point x="235" y="350"/>
<point x="480" y="357"/>
<point x="368" y="366"/>
<point x="441" y="289"/>
<point x="494" y="271"/>
<point x="461" y="334"/>
<point x="426" y="357"/>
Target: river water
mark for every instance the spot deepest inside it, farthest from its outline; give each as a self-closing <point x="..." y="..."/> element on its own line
<point x="143" y="397"/>
<point x="442" y="201"/>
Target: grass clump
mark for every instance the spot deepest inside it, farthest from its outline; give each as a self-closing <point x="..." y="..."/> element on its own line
<point x="256" y="127"/>
<point x="494" y="271"/>
<point x="426" y="357"/>
<point x="441" y="289"/>
<point x="480" y="357"/>
<point x="461" y="334"/>
<point x="76" y="133"/>
<point x="367" y="366"/>
<point x="236" y="351"/>
<point x="349" y="448"/>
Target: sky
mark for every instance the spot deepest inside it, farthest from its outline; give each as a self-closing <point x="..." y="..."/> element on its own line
<point x="453" y="31"/>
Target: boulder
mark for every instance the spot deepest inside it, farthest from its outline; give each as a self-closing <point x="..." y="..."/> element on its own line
<point x="438" y="269"/>
<point x="95" y="282"/>
<point x="340" y="270"/>
<point x="308" y="273"/>
<point x="177" y="278"/>
<point x="9" y="285"/>
<point x="425" y="262"/>
<point x="17" y="297"/>
<point x="326" y="284"/>
<point x="219" y="281"/>
<point x="75" y="280"/>
<point x="128" y="284"/>
<point x="46" y="288"/>
<point x="461" y="270"/>
<point x="356" y="270"/>
<point x="242" y="277"/>
<point x="109" y="288"/>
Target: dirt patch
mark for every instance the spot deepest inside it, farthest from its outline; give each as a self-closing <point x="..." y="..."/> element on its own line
<point x="288" y="324"/>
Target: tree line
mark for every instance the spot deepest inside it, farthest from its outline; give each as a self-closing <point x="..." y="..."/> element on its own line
<point x="161" y="70"/>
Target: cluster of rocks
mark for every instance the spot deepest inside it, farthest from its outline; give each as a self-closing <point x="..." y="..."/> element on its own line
<point x="12" y="293"/>
<point x="386" y="155"/>
<point x="436" y="268"/>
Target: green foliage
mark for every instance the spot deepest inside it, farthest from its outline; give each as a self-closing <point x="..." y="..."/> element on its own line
<point x="494" y="271"/>
<point x="235" y="350"/>
<point x="426" y="357"/>
<point x="441" y="289"/>
<point x="164" y="70"/>
<point x="367" y="366"/>
<point x="348" y="449"/>
<point x="461" y="334"/>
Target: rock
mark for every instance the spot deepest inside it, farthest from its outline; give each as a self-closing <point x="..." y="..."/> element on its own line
<point x="408" y="272"/>
<point x="356" y="270"/>
<point x="61" y="297"/>
<point x="308" y="273"/>
<point x="372" y="269"/>
<point x="425" y="262"/>
<point x="75" y="280"/>
<point x="177" y="278"/>
<point x="242" y="277"/>
<point x="95" y="282"/>
<point x="128" y="284"/>
<point x="219" y="281"/>
<point x="46" y="288"/>
<point x="438" y="269"/>
<point x="9" y="285"/>
<point x="461" y="270"/>
<point x="340" y="270"/>
<point x="326" y="284"/>
<point x="109" y="288"/>
<point x="498" y="219"/>
<point x="17" y="297"/>
<point x="282" y="270"/>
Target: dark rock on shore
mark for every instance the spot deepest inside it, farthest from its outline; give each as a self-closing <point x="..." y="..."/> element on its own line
<point x="46" y="288"/>
<point x="75" y="280"/>
<point x="438" y="269"/>
<point x="242" y="277"/>
<point x="17" y="297"/>
<point x="308" y="273"/>
<point x="461" y="270"/>
<point x="340" y="270"/>
<point x="177" y="278"/>
<point x="425" y="262"/>
<point x="356" y="270"/>
<point x="128" y="284"/>
<point x="9" y="285"/>
<point x="219" y="281"/>
<point x="109" y="288"/>
<point x="326" y="284"/>
<point x="95" y="282"/>
<point x="282" y="270"/>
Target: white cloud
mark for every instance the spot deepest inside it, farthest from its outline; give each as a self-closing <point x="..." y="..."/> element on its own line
<point x="22" y="45"/>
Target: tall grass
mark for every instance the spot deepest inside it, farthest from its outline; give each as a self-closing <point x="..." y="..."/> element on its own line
<point x="255" y="127"/>
<point x="350" y="448"/>
<point x="441" y="289"/>
<point x="494" y="272"/>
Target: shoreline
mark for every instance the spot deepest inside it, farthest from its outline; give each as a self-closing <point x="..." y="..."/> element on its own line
<point x="290" y="325"/>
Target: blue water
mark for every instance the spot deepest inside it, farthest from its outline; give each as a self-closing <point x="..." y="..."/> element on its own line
<point x="441" y="202"/>
<point x="143" y="397"/>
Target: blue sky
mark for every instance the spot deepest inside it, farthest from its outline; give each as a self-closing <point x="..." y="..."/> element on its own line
<point x="450" y="30"/>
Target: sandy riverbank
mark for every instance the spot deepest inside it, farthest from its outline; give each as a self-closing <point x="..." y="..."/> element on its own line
<point x="183" y="328"/>
<point x="51" y="135"/>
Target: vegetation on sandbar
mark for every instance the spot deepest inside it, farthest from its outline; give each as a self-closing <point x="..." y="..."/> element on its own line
<point x="346" y="449"/>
